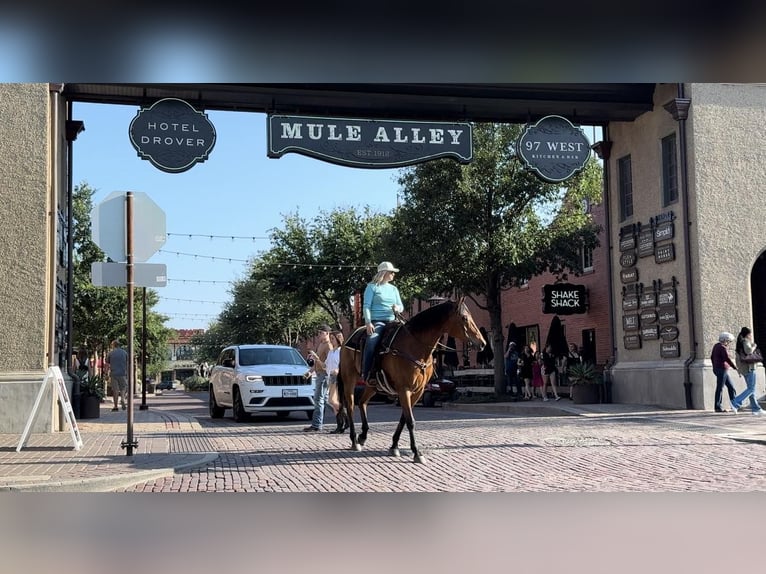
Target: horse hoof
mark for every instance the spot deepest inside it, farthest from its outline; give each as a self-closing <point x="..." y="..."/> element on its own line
<point x="394" y="452"/>
<point x="419" y="459"/>
<point x="357" y="447"/>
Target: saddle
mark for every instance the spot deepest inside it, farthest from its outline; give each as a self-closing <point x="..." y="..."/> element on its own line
<point x="357" y="342"/>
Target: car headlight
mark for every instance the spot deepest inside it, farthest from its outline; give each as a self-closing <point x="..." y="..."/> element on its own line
<point x="253" y="378"/>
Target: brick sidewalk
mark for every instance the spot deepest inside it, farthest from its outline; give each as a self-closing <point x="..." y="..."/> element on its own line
<point x="49" y="462"/>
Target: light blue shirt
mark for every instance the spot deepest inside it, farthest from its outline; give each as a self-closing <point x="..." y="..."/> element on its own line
<point x="378" y="300"/>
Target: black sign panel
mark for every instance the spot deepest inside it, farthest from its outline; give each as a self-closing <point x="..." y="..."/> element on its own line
<point x="664" y="231"/>
<point x="629" y="302"/>
<point x="564" y="299"/>
<point x="669" y="333"/>
<point x="670" y="350"/>
<point x="650" y="333"/>
<point x="666" y="298"/>
<point x="668" y="316"/>
<point x="172" y="135"/>
<point x="553" y="148"/>
<point x="629" y="275"/>
<point x="632" y="341"/>
<point x="628" y="259"/>
<point x="665" y="253"/>
<point x="630" y="322"/>
<point x="368" y="143"/>
<point x="645" y="242"/>
<point x="648" y="316"/>
<point x="648" y="299"/>
<point x="628" y="242"/>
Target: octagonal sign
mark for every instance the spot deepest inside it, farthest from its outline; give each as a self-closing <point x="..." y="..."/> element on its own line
<point x="109" y="226"/>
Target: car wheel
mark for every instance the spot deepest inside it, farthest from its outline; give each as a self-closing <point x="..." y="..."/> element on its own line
<point x="310" y="415"/>
<point x="240" y="415"/>
<point x="216" y="412"/>
<point x="428" y="399"/>
<point x="283" y="414"/>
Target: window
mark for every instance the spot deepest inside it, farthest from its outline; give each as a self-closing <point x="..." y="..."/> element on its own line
<point x="624" y="172"/>
<point x="669" y="170"/>
<point x="587" y="258"/>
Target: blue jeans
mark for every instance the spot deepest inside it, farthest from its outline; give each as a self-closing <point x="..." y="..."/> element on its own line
<point x="722" y="378"/>
<point x="748" y="393"/>
<point x="320" y="399"/>
<point x="369" y="348"/>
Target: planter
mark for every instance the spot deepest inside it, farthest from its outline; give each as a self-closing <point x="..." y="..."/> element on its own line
<point x="90" y="407"/>
<point x="585" y="394"/>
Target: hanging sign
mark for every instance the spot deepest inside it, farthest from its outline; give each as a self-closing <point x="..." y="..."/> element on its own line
<point x="553" y="148"/>
<point x="368" y="143"/>
<point x="172" y="135"/>
<point x="564" y="299"/>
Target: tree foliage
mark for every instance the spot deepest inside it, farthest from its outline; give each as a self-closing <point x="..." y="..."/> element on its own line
<point x="324" y="261"/>
<point x="482" y="228"/>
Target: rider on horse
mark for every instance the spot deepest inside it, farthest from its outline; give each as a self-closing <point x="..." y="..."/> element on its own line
<point x="381" y="303"/>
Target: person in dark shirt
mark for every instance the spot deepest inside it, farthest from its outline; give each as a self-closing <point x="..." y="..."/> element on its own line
<point x="722" y="368"/>
<point x="549" y="373"/>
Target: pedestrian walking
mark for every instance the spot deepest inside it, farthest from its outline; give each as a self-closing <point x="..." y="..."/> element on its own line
<point x="117" y="359"/>
<point x="549" y="373"/>
<point x="722" y="368"/>
<point x="512" y="370"/>
<point x="746" y="362"/>
<point x="526" y="361"/>
<point x="320" y="369"/>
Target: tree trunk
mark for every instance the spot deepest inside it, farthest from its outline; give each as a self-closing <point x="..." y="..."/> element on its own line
<point x="496" y="326"/>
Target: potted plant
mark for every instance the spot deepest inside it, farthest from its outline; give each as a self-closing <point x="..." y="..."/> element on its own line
<point x="91" y="395"/>
<point x="585" y="381"/>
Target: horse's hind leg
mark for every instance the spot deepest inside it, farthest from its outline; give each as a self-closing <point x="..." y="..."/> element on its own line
<point x="364" y="399"/>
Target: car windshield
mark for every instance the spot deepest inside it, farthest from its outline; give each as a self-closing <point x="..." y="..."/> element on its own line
<point x="248" y="357"/>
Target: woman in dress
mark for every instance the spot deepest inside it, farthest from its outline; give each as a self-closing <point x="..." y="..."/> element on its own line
<point x="525" y="370"/>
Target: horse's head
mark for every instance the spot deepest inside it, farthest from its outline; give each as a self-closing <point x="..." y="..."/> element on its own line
<point x="467" y="328"/>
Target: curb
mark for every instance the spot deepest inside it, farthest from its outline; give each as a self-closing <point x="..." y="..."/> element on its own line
<point x="111" y="482"/>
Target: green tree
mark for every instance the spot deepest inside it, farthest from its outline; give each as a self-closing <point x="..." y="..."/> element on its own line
<point x="324" y="261"/>
<point x="482" y="228"/>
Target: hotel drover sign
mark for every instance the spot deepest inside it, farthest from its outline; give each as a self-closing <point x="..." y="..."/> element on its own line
<point x="368" y="143"/>
<point x="172" y="135"/>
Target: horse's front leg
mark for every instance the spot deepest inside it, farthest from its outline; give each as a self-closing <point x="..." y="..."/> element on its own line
<point x="365" y="424"/>
<point x="407" y="399"/>
<point x="394" y="450"/>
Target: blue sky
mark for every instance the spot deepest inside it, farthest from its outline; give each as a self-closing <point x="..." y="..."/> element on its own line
<point x="236" y="192"/>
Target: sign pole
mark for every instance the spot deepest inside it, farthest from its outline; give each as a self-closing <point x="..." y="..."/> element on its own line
<point x="130" y="443"/>
<point x="143" y="406"/>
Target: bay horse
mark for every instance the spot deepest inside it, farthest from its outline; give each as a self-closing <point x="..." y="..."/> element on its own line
<point x="405" y="365"/>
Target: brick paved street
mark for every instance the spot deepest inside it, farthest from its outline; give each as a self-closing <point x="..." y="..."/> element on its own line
<point x="627" y="449"/>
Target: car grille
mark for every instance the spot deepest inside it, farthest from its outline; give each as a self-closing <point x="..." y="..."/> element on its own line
<point x="282" y="402"/>
<point x="286" y="381"/>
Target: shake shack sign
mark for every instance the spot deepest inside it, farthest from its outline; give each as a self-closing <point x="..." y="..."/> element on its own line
<point x="368" y="143"/>
<point x="172" y="135"/>
<point x="553" y="148"/>
<point x="564" y="299"/>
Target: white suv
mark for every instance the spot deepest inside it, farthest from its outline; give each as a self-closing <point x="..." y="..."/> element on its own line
<point x="260" y="378"/>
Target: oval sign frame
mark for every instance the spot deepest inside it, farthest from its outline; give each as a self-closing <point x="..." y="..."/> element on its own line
<point x="553" y="148"/>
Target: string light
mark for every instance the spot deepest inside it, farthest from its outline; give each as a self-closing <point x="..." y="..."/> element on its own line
<point x="191" y="300"/>
<point x="229" y="259"/>
<point x="231" y="237"/>
<point x="200" y="281"/>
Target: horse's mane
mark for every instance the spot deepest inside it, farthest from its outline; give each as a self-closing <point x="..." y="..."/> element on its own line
<point x="436" y="315"/>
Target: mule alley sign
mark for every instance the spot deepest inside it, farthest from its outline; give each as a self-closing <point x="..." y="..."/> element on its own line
<point x="368" y="143"/>
<point x="553" y="148"/>
<point x="564" y="299"/>
<point x="172" y="135"/>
